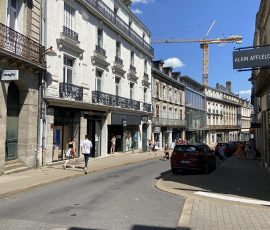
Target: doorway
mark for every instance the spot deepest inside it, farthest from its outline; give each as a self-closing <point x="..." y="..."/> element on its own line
<point x="94" y="133"/>
<point x="13" y="107"/>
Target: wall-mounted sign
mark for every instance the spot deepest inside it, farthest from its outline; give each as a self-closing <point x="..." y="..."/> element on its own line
<point x="251" y="58"/>
<point x="124" y="122"/>
<point x="144" y="119"/>
<point x="9" y="75"/>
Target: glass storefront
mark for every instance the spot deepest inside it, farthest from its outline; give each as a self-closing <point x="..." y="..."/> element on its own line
<point x="66" y="126"/>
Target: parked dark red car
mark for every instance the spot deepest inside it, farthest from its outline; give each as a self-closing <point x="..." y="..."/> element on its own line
<point x="197" y="157"/>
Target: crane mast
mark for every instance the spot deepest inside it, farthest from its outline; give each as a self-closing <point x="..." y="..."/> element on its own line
<point x="204" y="46"/>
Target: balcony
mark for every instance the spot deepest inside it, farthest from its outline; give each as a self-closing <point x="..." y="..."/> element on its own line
<point x="21" y="47"/>
<point x="70" y="39"/>
<point x="70" y="91"/>
<point x="147" y="107"/>
<point x="70" y="33"/>
<point x="99" y="57"/>
<point x="99" y="97"/>
<point x="132" y="74"/>
<point x="157" y="121"/>
<point x="227" y="127"/>
<point x="104" y="11"/>
<point x="118" y="67"/>
<point x="145" y="80"/>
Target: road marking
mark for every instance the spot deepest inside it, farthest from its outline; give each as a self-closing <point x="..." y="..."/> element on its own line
<point x="231" y="198"/>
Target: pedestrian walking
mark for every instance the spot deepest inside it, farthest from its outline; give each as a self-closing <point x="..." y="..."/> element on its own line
<point x="86" y="146"/>
<point x="166" y="151"/>
<point x="221" y="152"/>
<point x="70" y="153"/>
<point x="240" y="150"/>
<point x="113" y="143"/>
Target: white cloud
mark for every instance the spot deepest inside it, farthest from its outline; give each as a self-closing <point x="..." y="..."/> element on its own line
<point x="136" y="11"/>
<point x="142" y="1"/>
<point x="174" y="62"/>
<point x="245" y="93"/>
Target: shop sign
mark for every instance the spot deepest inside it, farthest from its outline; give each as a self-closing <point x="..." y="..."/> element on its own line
<point x="9" y="75"/>
<point x="144" y="119"/>
<point x="250" y="58"/>
<point x="124" y="123"/>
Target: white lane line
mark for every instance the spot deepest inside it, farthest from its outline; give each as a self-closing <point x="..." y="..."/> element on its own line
<point x="230" y="198"/>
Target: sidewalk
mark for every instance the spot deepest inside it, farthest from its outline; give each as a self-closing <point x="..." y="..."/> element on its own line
<point x="17" y="182"/>
<point x="235" y="196"/>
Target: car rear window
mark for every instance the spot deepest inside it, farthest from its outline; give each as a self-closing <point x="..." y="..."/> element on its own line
<point x="185" y="149"/>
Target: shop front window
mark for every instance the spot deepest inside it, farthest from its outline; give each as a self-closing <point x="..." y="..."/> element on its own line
<point x="66" y="127"/>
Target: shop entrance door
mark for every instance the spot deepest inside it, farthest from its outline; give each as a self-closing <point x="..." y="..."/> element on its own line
<point x="144" y="137"/>
<point x="94" y="133"/>
<point x="13" y="103"/>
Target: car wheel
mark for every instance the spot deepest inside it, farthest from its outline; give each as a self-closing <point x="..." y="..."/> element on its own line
<point x="175" y="171"/>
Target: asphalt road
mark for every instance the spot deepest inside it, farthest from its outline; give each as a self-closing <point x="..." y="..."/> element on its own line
<point x="118" y="198"/>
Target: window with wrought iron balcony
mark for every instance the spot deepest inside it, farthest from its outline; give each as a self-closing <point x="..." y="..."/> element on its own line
<point x="70" y="33"/>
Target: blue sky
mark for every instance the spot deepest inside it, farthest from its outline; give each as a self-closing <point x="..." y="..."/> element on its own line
<point x="191" y="19"/>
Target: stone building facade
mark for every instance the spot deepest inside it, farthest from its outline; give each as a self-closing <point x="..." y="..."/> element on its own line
<point x="168" y="98"/>
<point x="223" y="114"/>
<point x="21" y="67"/>
<point x="246" y="109"/>
<point x="100" y="82"/>
<point x="261" y="90"/>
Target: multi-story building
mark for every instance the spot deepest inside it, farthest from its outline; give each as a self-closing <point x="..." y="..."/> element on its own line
<point x="195" y="110"/>
<point x="261" y="89"/>
<point x="168" y="98"/>
<point x="100" y="82"/>
<point x="223" y="114"/>
<point x="21" y="67"/>
<point x="245" y="119"/>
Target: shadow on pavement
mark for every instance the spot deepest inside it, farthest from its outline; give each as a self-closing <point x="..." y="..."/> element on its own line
<point x="239" y="177"/>
<point x="144" y="227"/>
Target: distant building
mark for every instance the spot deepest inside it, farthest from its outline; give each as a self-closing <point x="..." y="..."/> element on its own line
<point x="195" y="110"/>
<point x="246" y="109"/>
<point x="168" y="121"/>
<point x="223" y="114"/>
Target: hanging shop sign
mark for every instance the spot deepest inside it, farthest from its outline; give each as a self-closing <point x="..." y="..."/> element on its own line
<point x="9" y="75"/>
<point x="251" y="58"/>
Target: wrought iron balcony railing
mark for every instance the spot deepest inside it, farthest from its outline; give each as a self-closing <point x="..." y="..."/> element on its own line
<point x="19" y="45"/>
<point x="118" y="61"/>
<point x="100" y="50"/>
<point x="70" y="33"/>
<point x="224" y="126"/>
<point x="147" y="107"/>
<point x="104" y="10"/>
<point x="99" y="97"/>
<point x="168" y="122"/>
<point x="132" y="68"/>
<point x="67" y="90"/>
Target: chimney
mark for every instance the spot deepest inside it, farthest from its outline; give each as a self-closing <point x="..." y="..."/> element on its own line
<point x="229" y="86"/>
<point x="168" y="71"/>
<point x="127" y="2"/>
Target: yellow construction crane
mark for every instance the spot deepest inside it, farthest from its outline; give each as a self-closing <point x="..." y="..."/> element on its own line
<point x="204" y="45"/>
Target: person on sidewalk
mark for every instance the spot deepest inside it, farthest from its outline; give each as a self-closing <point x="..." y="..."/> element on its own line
<point x="86" y="146"/>
<point x="166" y="151"/>
<point x="221" y="152"/>
<point x="71" y="153"/>
<point x="113" y="143"/>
